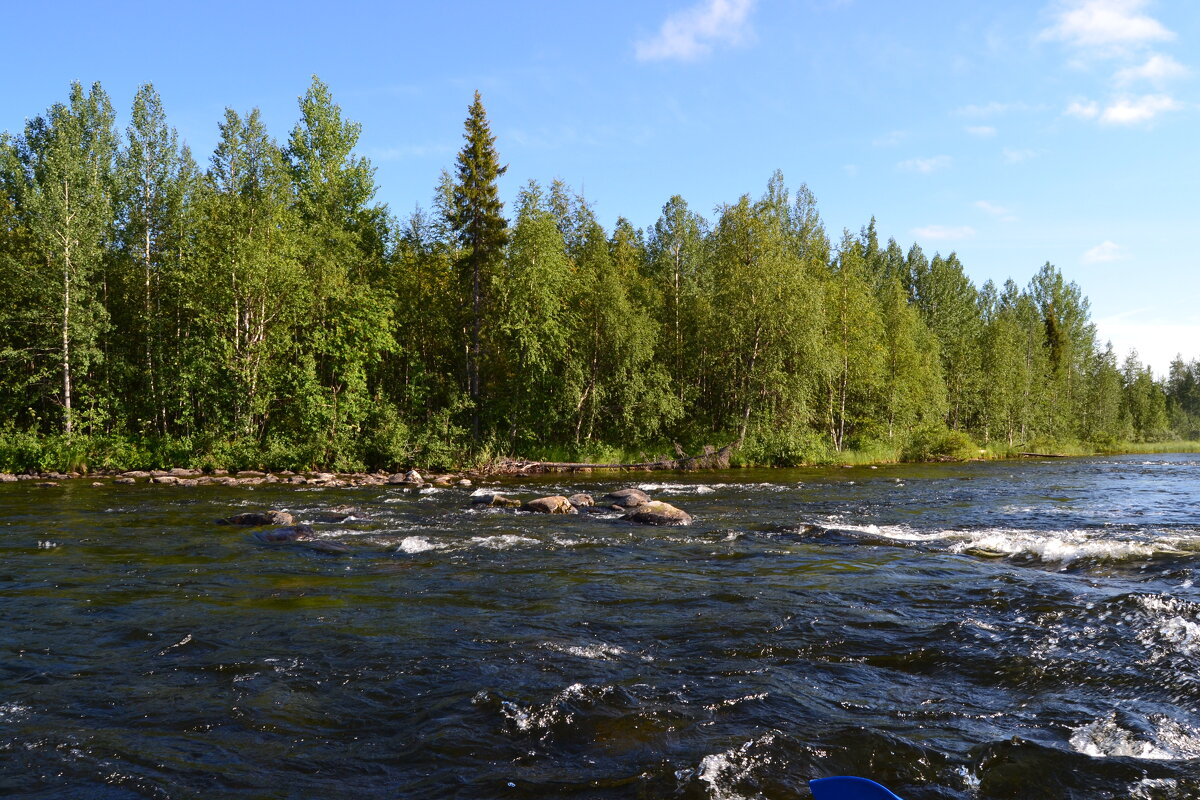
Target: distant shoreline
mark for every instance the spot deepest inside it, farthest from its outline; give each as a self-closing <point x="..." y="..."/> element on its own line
<point x="467" y="476"/>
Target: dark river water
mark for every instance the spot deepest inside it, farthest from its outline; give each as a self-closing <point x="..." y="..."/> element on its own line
<point x="992" y="630"/>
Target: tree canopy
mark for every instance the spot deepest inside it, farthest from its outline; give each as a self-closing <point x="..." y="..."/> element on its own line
<point x="268" y="311"/>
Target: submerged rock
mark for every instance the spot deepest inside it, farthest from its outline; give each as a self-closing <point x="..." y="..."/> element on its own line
<point x="271" y="517"/>
<point x="657" y="512"/>
<point x="627" y="498"/>
<point x="331" y="516"/>
<point x="301" y="536"/>
<point x="554" y="504"/>
<point x="496" y="500"/>
<point x="290" y="533"/>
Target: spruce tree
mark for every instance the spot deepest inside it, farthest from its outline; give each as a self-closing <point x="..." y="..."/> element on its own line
<point x="476" y="217"/>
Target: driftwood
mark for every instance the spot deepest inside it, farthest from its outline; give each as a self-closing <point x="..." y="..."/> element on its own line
<point x="710" y="458"/>
<point x="1043" y="455"/>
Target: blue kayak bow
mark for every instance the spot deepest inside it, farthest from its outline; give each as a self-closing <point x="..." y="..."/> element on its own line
<point x="848" y="788"/>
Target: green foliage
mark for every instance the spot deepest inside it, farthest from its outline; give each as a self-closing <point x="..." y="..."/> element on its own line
<point x="939" y="444"/>
<point x="787" y="446"/>
<point x="268" y="312"/>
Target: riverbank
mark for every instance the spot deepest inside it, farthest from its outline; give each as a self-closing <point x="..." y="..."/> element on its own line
<point x="498" y="468"/>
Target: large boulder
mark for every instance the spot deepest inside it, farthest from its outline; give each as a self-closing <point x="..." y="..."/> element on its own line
<point x="271" y="517"/>
<point x="657" y="512"/>
<point x="554" y="504"/>
<point x="627" y="498"/>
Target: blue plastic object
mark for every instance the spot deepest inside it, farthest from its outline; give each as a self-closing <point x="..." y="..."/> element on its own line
<point x="848" y="788"/>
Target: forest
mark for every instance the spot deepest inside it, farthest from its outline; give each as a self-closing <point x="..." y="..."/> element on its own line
<point x="265" y="310"/>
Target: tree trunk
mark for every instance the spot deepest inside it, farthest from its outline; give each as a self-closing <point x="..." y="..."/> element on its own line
<point x="749" y="373"/>
<point x="68" y="422"/>
<point x="476" y="347"/>
<point x="66" y="344"/>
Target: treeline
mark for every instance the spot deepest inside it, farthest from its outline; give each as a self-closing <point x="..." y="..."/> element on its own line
<point x="266" y="310"/>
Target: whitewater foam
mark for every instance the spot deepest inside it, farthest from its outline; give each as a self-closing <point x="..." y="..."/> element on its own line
<point x="1165" y="740"/>
<point x="724" y="771"/>
<point x="418" y="544"/>
<point x="502" y="542"/>
<point x="595" y="652"/>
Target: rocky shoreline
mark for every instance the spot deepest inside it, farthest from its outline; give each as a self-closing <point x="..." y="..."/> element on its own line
<point x="194" y="477"/>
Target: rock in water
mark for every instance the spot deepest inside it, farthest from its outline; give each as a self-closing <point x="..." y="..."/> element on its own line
<point x="291" y="533"/>
<point x="301" y="536"/>
<point x="627" y="498"/>
<point x="657" y="512"/>
<point x="497" y="500"/>
<point x="555" y="504"/>
<point x="581" y="500"/>
<point x="271" y="517"/>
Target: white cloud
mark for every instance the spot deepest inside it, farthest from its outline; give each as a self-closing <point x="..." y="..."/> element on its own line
<point x="1014" y="156"/>
<point x="982" y="131"/>
<point x="993" y="109"/>
<point x="1103" y="253"/>
<point x="689" y="34"/>
<point x="1084" y="109"/>
<point x="999" y="212"/>
<point x="944" y="232"/>
<point x="1106" y="26"/>
<point x="1125" y="110"/>
<point x="1157" y="70"/>
<point x="926" y="165"/>
<point x="1130" y="111"/>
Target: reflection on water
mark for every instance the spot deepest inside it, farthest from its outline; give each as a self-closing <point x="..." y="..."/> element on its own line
<point x="956" y="631"/>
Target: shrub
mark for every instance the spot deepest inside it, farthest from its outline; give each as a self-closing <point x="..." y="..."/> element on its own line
<point x="940" y="444"/>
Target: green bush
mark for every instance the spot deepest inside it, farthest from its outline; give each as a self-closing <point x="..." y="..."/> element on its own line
<point x="786" y="446"/>
<point x="939" y="444"/>
<point x="20" y="451"/>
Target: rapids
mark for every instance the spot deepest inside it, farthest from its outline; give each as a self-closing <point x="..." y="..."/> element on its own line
<point x="986" y="630"/>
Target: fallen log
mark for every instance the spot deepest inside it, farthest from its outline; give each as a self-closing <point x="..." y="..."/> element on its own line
<point x="1044" y="455"/>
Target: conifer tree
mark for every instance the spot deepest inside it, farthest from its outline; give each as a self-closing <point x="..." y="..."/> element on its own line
<point x="476" y="217"/>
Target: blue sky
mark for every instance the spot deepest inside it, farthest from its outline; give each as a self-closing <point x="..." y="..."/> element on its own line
<point x="1013" y="133"/>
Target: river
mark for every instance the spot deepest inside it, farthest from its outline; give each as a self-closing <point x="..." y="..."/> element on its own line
<point x="985" y="630"/>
